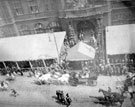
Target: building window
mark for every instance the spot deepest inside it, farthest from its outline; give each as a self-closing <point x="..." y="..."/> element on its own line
<point x="33" y="6"/>
<point x="39" y="28"/>
<point x="17" y="5"/>
<point x="47" y="5"/>
<point x="24" y="30"/>
<point x="53" y="4"/>
<point x="76" y="4"/>
<point x="54" y="26"/>
<point x="99" y="2"/>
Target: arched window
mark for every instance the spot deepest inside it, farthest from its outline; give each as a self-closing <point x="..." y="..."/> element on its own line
<point x="55" y="26"/>
<point x="39" y="28"/>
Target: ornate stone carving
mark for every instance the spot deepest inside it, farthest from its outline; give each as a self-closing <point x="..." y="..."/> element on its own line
<point x="100" y="38"/>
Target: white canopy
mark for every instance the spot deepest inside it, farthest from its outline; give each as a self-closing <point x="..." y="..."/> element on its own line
<point x="120" y="39"/>
<point x="81" y="52"/>
<point x="31" y="47"/>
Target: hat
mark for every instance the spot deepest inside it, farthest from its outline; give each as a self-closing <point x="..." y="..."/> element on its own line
<point x="67" y="95"/>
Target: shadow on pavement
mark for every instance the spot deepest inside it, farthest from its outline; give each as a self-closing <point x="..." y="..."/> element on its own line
<point x="101" y="100"/>
<point x="57" y="101"/>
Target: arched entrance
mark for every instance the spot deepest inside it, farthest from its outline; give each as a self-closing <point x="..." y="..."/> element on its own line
<point x="87" y="28"/>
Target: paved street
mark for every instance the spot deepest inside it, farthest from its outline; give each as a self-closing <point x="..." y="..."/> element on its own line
<point x="32" y="95"/>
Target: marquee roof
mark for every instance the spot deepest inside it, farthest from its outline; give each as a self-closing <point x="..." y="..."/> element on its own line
<point x="81" y="52"/>
<point x="31" y="47"/>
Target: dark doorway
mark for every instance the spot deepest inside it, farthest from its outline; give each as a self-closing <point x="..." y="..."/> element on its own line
<point x="87" y="27"/>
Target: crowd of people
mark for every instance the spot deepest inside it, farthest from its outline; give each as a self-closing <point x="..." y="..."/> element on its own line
<point x="89" y="69"/>
<point x="63" y="67"/>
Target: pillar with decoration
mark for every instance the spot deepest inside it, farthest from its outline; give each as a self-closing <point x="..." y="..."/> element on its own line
<point x="101" y="51"/>
<point x="71" y="34"/>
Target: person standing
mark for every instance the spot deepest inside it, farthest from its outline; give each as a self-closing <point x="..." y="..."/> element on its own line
<point x="93" y="41"/>
<point x="81" y="36"/>
<point x="14" y="92"/>
<point x="68" y="99"/>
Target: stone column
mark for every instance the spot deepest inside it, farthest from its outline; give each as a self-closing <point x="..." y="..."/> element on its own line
<point x="12" y="16"/>
<point x="109" y="13"/>
<point x="71" y="32"/>
<point x="101" y="38"/>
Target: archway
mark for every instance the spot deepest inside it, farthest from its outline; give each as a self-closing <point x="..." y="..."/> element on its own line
<point x="88" y="29"/>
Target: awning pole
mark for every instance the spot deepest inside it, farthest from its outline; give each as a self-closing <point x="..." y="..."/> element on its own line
<point x="30" y="65"/>
<point x="4" y="65"/>
<point x="17" y="65"/>
<point x="56" y="47"/>
<point x="44" y="63"/>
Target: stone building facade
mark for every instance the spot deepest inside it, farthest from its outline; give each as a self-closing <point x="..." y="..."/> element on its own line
<point x="26" y="17"/>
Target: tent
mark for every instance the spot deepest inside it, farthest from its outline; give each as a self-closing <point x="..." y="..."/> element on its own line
<point x="31" y="47"/>
<point x="80" y="52"/>
<point x="120" y="39"/>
